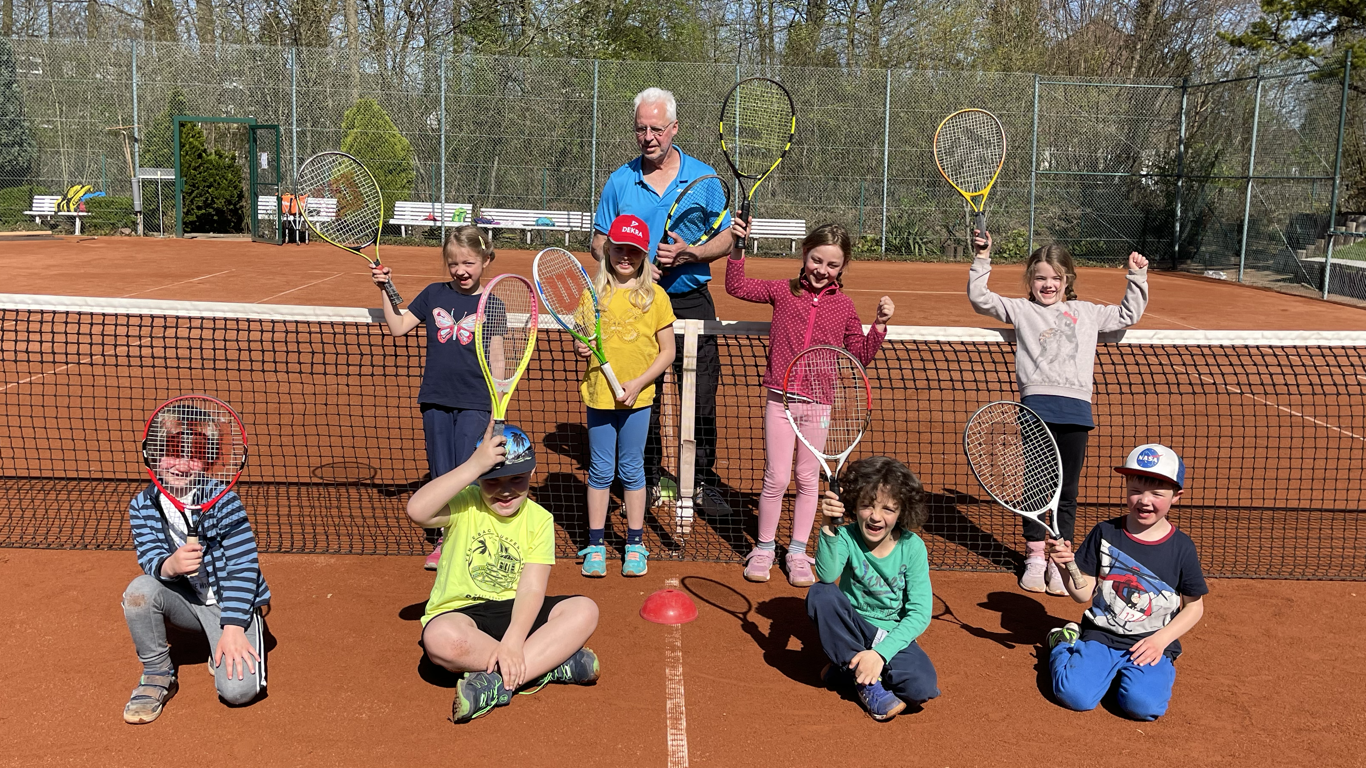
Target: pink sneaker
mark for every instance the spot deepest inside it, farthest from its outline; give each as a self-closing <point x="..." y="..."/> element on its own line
<point x="758" y="563"/>
<point x="433" y="559"/>
<point x="1052" y="579"/>
<point x="799" y="569"/>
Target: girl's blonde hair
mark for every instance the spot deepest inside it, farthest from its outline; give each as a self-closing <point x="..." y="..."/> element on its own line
<point x="471" y="237"/>
<point x="1060" y="259"/>
<point x="641" y="296"/>
<point x="825" y="234"/>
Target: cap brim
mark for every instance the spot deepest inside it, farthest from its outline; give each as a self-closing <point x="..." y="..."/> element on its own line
<point x="505" y="469"/>
<point x="1145" y="473"/>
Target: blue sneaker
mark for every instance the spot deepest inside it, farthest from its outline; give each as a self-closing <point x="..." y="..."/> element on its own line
<point x="634" y="564"/>
<point x="879" y="701"/>
<point x="477" y="694"/>
<point x="579" y="669"/>
<point x="594" y="561"/>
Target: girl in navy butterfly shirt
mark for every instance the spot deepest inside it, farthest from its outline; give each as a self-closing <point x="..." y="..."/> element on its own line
<point x="809" y="309"/>
<point x="453" y="397"/>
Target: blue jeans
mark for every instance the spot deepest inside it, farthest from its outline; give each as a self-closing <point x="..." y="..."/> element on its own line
<point x="1083" y="671"/>
<point x="909" y="675"/>
<point x="616" y="440"/>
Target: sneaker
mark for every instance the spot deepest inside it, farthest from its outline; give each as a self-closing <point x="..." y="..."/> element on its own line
<point x="758" y="563"/>
<point x="579" y="669"/>
<point x="712" y="503"/>
<point x="1067" y="633"/>
<point x="879" y="701"/>
<point x="594" y="561"/>
<point x="434" y="559"/>
<point x="634" y="563"/>
<point x="477" y="694"/>
<point x="1052" y="580"/>
<point x="152" y="693"/>
<point x="799" y="569"/>
<point x="1032" y="579"/>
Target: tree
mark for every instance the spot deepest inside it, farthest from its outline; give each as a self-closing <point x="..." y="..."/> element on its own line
<point x="372" y="137"/>
<point x="17" y="150"/>
<point x="1318" y="31"/>
<point x="214" y="198"/>
<point x="156" y="148"/>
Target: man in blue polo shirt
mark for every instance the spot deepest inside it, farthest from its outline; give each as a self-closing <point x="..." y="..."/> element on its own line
<point x="646" y="187"/>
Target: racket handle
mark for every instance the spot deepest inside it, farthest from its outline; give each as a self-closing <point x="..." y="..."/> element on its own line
<point x="498" y="427"/>
<point x="1075" y="573"/>
<point x="979" y="222"/>
<point x="192" y="539"/>
<point x="741" y="242"/>
<point x="612" y="379"/>
<point x="392" y="292"/>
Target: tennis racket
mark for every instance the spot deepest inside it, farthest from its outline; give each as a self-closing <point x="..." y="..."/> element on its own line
<point x="762" y="124"/>
<point x="970" y="148"/>
<point x="568" y="294"/>
<point x="505" y="338"/>
<point x="342" y="204"/>
<point x="699" y="211"/>
<point x="1014" y="456"/>
<point x="829" y="404"/>
<point x="194" y="447"/>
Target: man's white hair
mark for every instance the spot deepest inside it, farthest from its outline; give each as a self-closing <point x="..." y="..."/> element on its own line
<point x="658" y="96"/>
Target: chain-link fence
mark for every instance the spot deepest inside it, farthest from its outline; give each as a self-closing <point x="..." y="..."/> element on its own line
<point x="1233" y="177"/>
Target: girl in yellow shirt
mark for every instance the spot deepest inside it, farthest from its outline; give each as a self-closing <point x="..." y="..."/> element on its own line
<point x="638" y="337"/>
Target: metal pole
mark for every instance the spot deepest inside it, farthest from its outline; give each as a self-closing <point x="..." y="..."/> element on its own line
<point x="137" y="143"/>
<point x="441" y="64"/>
<point x="593" y="151"/>
<point x="294" y="115"/>
<point x="1180" y="179"/>
<point x="1251" y="169"/>
<point x="1337" y="169"/>
<point x="1033" y="164"/>
<point x="886" y="135"/>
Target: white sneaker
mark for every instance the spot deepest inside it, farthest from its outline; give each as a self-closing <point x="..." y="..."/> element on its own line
<point x="1053" y="581"/>
<point x="1033" y="578"/>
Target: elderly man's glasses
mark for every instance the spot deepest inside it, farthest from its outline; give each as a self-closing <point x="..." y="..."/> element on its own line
<point x="646" y="130"/>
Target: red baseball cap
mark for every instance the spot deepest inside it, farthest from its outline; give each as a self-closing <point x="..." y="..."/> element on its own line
<point x="629" y="230"/>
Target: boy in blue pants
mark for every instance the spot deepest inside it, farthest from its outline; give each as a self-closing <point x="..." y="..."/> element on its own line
<point x="1143" y="579"/>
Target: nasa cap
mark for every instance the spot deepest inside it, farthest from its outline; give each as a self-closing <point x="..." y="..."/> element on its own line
<point x="629" y="230"/>
<point x="521" y="455"/>
<point x="1155" y="460"/>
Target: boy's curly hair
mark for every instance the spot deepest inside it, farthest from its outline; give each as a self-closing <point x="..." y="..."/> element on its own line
<point x="862" y="479"/>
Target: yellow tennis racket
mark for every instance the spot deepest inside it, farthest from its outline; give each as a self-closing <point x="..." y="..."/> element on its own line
<point x="505" y="338"/>
<point x="343" y="205"/>
<point x="763" y="122"/>
<point x="970" y="148"/>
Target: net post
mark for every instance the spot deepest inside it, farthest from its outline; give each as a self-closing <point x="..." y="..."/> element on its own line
<point x="1337" y="169"/>
<point x="1251" y="169"/>
<point x="687" y="436"/>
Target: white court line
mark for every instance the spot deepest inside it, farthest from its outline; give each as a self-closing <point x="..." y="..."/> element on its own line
<point x="1264" y="401"/>
<point x="116" y="350"/>
<point x="178" y="282"/>
<point x="300" y="288"/>
<point x="675" y="719"/>
<point x="1146" y="313"/>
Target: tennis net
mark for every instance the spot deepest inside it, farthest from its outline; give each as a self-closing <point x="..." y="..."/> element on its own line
<point x="1272" y="427"/>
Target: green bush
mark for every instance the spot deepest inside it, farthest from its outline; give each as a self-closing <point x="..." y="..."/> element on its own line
<point x="157" y="148"/>
<point x="18" y="153"/>
<point x="14" y="201"/>
<point x="373" y="138"/>
<point x="214" y="198"/>
<point x="108" y="215"/>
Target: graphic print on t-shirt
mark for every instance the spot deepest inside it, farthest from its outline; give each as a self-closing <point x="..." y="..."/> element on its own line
<point x="1058" y="348"/>
<point x="1132" y="599"/>
<point x="447" y="327"/>
<point x="493" y="562"/>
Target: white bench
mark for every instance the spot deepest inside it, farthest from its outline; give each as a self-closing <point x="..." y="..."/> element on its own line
<point x="408" y="213"/>
<point x="45" y="207"/>
<point x="792" y="229"/>
<point x="511" y="218"/>
<point x="267" y="205"/>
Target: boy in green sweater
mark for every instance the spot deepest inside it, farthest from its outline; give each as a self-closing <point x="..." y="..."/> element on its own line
<point x="869" y="622"/>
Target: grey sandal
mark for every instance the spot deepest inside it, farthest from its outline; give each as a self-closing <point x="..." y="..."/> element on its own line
<point x="152" y="693"/>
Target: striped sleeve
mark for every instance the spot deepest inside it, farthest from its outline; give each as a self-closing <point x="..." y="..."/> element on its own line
<point x="149" y="534"/>
<point x="236" y="588"/>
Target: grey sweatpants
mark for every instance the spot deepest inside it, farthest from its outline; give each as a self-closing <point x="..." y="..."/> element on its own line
<point x="148" y="605"/>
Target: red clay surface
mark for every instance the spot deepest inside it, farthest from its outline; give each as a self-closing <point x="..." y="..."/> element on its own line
<point x="1265" y="680"/>
<point x="320" y="275"/>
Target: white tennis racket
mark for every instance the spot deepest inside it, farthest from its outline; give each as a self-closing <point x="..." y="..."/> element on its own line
<point x="829" y="404"/>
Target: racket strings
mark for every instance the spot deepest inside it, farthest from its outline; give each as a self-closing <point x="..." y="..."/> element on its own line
<point x="762" y="113"/>
<point x="359" y="205"/>
<point x="194" y="444"/>
<point x="829" y="390"/>
<point x="1015" y="458"/>
<point x="509" y="327"/>
<point x="969" y="149"/>
<point x="699" y="208"/>
<point x="565" y="290"/>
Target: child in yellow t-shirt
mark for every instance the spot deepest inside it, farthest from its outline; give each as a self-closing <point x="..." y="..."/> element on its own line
<point x="488" y="615"/>
<point x="638" y="337"/>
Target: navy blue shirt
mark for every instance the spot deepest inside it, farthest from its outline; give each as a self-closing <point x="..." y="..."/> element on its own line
<point x="452" y="377"/>
<point x="626" y="191"/>
<point x="1141" y="583"/>
<point x="1057" y="409"/>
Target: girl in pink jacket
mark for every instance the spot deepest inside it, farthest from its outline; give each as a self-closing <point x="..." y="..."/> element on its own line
<point x="809" y="309"/>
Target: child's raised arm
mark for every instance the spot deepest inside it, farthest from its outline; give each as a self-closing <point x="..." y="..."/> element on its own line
<point x="1112" y="318"/>
<point x="865" y="347"/>
<point x="984" y="301"/>
<point x="399" y="323"/>
<point x="737" y="285"/>
<point x="428" y="507"/>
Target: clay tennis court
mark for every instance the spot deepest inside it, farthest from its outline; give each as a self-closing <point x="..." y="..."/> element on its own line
<point x="1264" y="681"/>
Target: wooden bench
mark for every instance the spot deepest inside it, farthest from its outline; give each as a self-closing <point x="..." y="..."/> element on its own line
<point x="45" y="207"/>
<point x="563" y="221"/>
<point x="417" y="215"/>
<point x="792" y="229"/>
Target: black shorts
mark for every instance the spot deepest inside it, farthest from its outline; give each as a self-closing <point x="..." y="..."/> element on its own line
<point x="493" y="617"/>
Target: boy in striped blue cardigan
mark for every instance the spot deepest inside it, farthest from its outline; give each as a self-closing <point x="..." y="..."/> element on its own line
<point x="214" y="588"/>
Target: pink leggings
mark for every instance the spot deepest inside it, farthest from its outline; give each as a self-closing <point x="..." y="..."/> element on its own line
<point x="780" y="441"/>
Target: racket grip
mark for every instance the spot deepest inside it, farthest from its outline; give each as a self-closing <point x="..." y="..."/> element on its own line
<point x="192" y="539"/>
<point x="979" y="222"/>
<point x="742" y="242"/>
<point x="1075" y="573"/>
<point x="612" y="379"/>
<point x="392" y="292"/>
<point x="498" y="427"/>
